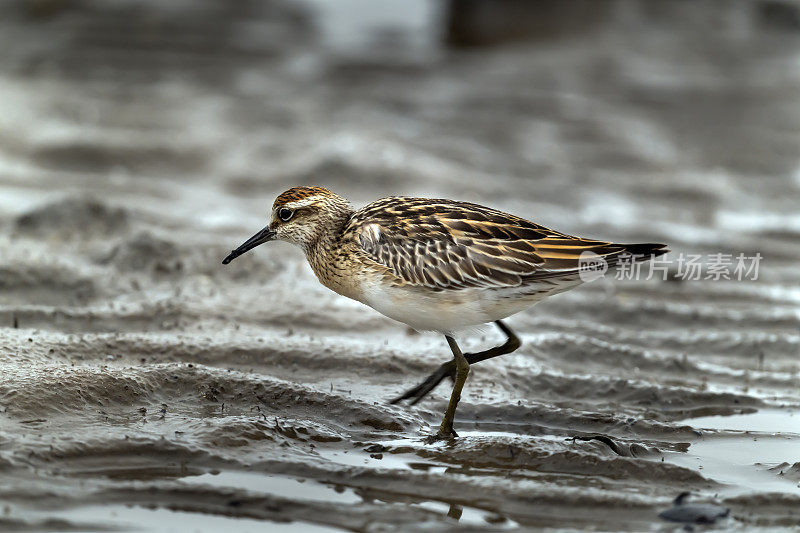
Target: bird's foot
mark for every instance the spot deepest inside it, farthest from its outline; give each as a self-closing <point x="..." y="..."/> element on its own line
<point x="440" y="436"/>
<point x="417" y="393"/>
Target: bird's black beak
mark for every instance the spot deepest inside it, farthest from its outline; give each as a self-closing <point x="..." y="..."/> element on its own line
<point x="265" y="235"/>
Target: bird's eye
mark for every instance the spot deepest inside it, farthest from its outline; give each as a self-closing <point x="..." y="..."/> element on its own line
<point x="285" y="214"/>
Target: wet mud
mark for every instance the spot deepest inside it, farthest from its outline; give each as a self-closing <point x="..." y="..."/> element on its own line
<point x="144" y="386"/>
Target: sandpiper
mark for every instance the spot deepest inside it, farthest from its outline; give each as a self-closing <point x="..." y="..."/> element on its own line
<point x="434" y="264"/>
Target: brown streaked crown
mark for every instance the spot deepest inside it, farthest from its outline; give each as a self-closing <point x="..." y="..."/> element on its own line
<point x="299" y="193"/>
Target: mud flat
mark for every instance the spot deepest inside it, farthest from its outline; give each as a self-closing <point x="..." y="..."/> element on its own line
<point x="143" y="386"/>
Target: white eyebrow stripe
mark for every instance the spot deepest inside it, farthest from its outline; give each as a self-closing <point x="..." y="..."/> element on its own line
<point x="305" y="202"/>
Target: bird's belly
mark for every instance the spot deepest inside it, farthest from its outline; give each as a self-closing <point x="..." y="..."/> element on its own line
<point x="445" y="311"/>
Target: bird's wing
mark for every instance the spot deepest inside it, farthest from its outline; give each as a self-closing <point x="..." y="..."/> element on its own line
<point x="441" y="244"/>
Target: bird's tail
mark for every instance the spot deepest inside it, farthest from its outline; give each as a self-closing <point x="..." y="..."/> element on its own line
<point x="645" y="251"/>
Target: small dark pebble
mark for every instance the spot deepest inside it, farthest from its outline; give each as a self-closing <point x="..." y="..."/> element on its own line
<point x="376" y="455"/>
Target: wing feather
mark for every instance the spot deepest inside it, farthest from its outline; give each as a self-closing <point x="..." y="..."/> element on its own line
<point x="441" y="244"/>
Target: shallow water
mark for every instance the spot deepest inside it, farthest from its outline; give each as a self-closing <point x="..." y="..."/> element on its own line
<point x="765" y="420"/>
<point x="122" y="518"/>
<point x="300" y="489"/>
<point x="747" y="452"/>
<point x="144" y="385"/>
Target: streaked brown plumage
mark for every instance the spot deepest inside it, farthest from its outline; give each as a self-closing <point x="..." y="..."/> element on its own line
<point x="435" y="264"/>
<point x="445" y="245"/>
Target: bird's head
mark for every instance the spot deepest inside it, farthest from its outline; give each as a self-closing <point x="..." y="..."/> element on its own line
<point x="301" y="216"/>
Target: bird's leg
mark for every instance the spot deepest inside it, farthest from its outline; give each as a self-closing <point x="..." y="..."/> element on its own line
<point x="448" y="369"/>
<point x="430" y="383"/>
<point x="462" y="371"/>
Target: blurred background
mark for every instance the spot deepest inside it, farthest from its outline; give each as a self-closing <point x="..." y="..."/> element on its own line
<point x="595" y="115"/>
<point x="141" y="140"/>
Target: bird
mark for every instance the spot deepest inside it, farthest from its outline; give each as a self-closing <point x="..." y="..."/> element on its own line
<point x="436" y="265"/>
